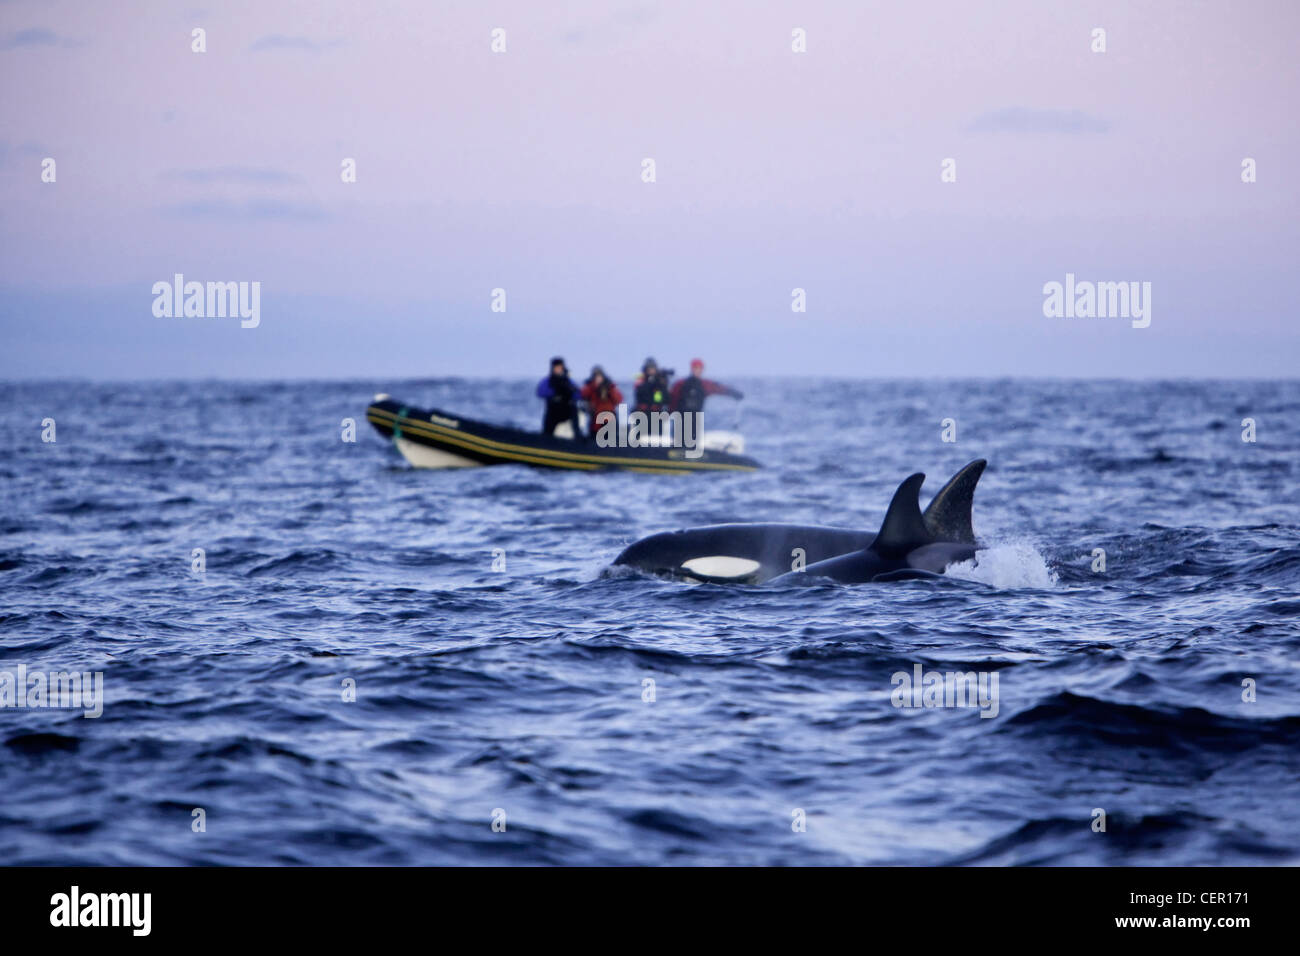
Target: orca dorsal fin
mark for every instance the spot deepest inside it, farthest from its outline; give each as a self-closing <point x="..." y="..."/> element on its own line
<point x="903" y="528"/>
<point x="948" y="518"/>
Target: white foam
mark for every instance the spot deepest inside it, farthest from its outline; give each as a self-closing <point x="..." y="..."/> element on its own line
<point x="1015" y="564"/>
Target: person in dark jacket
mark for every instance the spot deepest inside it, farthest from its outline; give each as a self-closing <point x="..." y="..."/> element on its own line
<point x="688" y="394"/>
<point x="602" y="396"/>
<point x="561" y="396"/>
<point x="651" y="391"/>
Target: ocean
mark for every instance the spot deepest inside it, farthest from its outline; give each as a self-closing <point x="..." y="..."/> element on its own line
<point x="313" y="654"/>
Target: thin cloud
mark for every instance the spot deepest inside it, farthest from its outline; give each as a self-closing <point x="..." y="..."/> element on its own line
<point x="9" y="150"/>
<point x="281" y="41"/>
<point x="1020" y="119"/>
<point x="610" y="28"/>
<point x="34" y="37"/>
<point x="252" y="211"/>
<point x="237" y="175"/>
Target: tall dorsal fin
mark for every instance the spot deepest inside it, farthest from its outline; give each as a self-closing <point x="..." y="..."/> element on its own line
<point x="903" y="528"/>
<point x="949" y="516"/>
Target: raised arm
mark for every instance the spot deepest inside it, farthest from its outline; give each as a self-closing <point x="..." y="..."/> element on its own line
<point x="717" y="388"/>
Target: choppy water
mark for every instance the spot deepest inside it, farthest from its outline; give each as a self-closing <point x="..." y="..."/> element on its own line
<point x="522" y="690"/>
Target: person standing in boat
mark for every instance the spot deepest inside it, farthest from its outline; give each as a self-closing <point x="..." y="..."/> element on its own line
<point x="651" y="390"/>
<point x="602" y="397"/>
<point x="561" y="396"/>
<point x="688" y="394"/>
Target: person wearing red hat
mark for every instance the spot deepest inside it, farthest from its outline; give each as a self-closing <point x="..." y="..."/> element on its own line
<point x="688" y="394"/>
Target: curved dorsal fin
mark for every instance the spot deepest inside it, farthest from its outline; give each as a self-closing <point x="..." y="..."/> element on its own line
<point x="903" y="528"/>
<point x="948" y="517"/>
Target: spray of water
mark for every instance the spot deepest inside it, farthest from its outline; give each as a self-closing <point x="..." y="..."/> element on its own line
<point x="1013" y="564"/>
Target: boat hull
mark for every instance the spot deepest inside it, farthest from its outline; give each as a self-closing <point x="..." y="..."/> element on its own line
<point x="429" y="438"/>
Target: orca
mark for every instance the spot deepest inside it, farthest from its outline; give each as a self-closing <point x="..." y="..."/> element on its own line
<point x="904" y="547"/>
<point x="753" y="553"/>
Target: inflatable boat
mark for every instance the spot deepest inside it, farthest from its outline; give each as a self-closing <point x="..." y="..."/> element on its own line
<point x="429" y="438"/>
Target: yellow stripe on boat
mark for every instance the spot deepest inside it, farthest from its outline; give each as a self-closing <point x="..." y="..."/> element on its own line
<point x="541" y="456"/>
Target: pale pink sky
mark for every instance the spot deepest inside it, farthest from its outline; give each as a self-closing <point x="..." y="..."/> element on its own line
<point x="522" y="170"/>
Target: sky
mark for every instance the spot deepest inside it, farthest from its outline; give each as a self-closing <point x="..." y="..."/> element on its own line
<point x="524" y="170"/>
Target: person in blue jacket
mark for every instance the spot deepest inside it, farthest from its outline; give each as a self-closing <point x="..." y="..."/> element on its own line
<point x="561" y="396"/>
